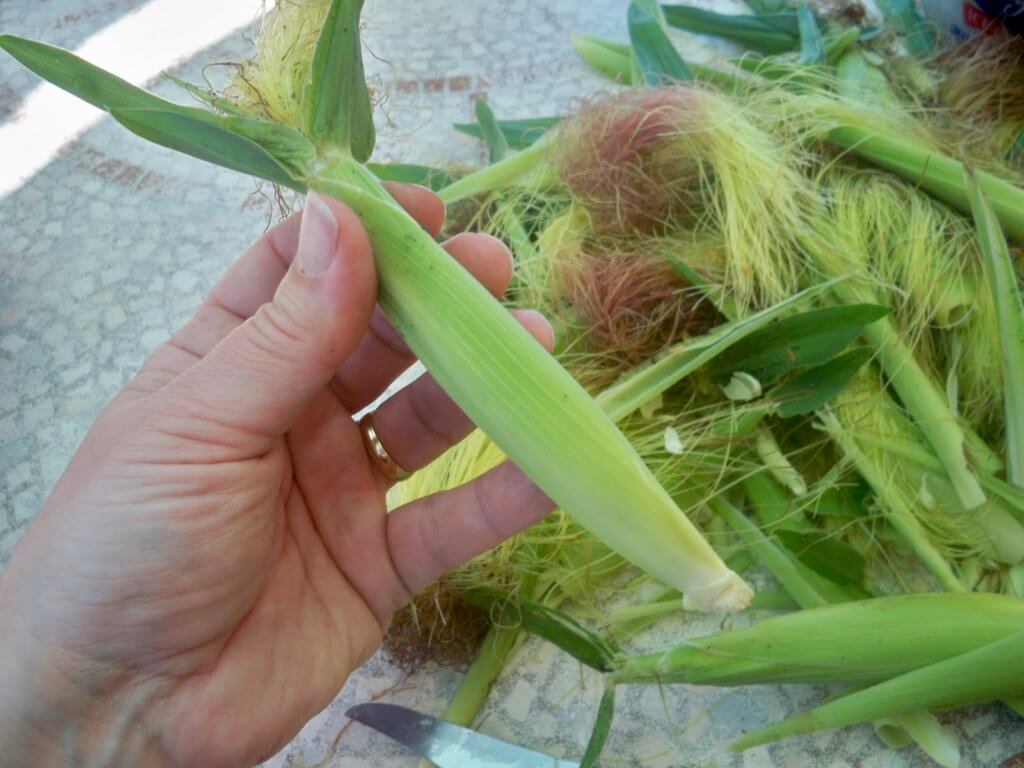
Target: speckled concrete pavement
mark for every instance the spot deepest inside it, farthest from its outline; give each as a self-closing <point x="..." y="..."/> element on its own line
<point x="113" y="245"/>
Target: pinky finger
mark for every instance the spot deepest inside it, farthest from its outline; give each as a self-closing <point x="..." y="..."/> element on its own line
<point x="437" y="533"/>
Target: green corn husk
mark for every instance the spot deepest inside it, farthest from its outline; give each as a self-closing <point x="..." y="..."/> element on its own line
<point x="988" y="671"/>
<point x="1010" y="312"/>
<point x="934" y="172"/>
<point x="869" y="424"/>
<point x="859" y="642"/>
<point x="923" y="397"/>
<point x="1000" y="532"/>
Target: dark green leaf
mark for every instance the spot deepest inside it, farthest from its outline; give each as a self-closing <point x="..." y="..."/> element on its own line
<point x="518" y="133"/>
<point x="494" y="138"/>
<point x="835" y="592"/>
<point x="812" y="388"/>
<point x="247" y="153"/>
<point x="654" y="56"/>
<point x="904" y="19"/>
<point x="78" y="77"/>
<point x="602" y="725"/>
<point x="202" y="135"/>
<point x="825" y="556"/>
<point x="796" y="342"/>
<point x="849" y="503"/>
<point x="768" y="499"/>
<point x="772" y="600"/>
<point x="812" y="47"/>
<point x="285" y="144"/>
<point x="767" y="33"/>
<point x="424" y="175"/>
<point x="552" y="625"/>
<point x="338" y="108"/>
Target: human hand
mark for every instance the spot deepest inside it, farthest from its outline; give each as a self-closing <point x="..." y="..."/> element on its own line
<point x="217" y="557"/>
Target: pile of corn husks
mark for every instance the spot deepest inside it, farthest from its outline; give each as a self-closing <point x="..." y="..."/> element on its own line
<point x="866" y="443"/>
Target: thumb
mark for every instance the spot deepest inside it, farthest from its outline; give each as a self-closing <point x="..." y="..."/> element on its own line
<point x="256" y="381"/>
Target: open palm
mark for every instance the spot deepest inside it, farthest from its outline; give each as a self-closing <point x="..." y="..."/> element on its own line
<point x="218" y="556"/>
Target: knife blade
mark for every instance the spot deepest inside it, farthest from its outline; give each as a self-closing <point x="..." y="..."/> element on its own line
<point x="447" y="745"/>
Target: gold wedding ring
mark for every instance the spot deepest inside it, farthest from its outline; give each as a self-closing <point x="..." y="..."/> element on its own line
<point x="385" y="463"/>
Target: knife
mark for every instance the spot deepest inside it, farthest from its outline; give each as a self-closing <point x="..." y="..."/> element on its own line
<point x="447" y="745"/>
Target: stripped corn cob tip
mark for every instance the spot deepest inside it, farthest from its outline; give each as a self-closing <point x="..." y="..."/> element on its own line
<point x="627" y="162"/>
<point x="728" y="594"/>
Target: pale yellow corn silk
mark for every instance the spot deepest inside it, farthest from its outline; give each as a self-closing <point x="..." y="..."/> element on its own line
<point x="909" y="251"/>
<point x="925" y="262"/>
<point x="271" y="83"/>
<point x="877" y="422"/>
<point x="723" y="172"/>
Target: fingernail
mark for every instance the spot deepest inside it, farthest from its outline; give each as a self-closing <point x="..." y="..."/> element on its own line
<point x="318" y="237"/>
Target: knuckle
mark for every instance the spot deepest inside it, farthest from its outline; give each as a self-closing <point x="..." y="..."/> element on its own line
<point x="433" y="541"/>
<point x="488" y="508"/>
<point x="279" y="333"/>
